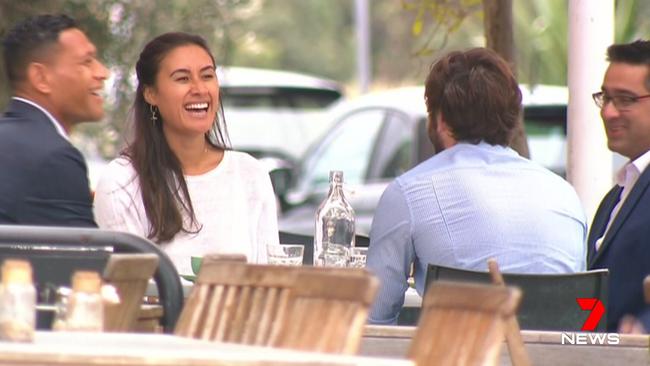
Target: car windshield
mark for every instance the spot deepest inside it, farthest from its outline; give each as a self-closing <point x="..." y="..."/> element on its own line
<point x="344" y="149"/>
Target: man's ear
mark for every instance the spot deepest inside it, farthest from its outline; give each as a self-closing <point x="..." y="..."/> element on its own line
<point x="38" y="76"/>
<point x="150" y="96"/>
<point x="441" y="126"/>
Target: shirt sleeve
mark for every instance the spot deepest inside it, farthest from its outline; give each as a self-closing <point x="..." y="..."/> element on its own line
<point x="267" y="229"/>
<point x="115" y="205"/>
<point x="390" y="254"/>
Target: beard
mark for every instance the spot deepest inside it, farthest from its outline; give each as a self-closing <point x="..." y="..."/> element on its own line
<point x="434" y="136"/>
<point x="438" y="146"/>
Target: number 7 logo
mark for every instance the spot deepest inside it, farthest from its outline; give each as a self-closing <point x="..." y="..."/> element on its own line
<point x="597" y="310"/>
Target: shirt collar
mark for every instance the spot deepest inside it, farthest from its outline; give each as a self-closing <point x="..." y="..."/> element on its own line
<point x="56" y="123"/>
<point x="636" y="167"/>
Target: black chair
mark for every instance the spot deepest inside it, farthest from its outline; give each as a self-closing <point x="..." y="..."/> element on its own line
<point x="549" y="300"/>
<point x="56" y="252"/>
<point x="308" y="241"/>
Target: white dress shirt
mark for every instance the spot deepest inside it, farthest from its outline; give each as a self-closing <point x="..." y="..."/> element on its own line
<point x="626" y="177"/>
<point x="465" y="205"/>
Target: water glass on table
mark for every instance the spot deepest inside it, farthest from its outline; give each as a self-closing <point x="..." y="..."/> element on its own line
<point x="285" y="254"/>
<point x="358" y="257"/>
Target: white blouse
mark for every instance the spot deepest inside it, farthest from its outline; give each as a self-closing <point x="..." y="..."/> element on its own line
<point x="234" y="205"/>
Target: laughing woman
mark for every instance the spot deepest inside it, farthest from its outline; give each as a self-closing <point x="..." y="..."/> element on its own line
<point x="177" y="183"/>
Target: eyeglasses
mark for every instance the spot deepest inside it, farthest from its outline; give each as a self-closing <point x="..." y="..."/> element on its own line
<point x="620" y="101"/>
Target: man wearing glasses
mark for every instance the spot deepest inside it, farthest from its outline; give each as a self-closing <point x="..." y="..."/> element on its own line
<point x="619" y="238"/>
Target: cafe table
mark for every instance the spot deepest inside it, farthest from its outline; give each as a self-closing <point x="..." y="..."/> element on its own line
<point x="133" y="349"/>
<point x="543" y="347"/>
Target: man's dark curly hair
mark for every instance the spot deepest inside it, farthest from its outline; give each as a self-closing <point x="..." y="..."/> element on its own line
<point x="477" y="95"/>
<point x="30" y="40"/>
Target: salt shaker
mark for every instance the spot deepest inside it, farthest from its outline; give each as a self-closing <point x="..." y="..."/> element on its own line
<point x="85" y="304"/>
<point x="17" y="301"/>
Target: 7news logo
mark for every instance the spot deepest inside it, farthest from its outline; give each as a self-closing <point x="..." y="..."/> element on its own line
<point x="597" y="310"/>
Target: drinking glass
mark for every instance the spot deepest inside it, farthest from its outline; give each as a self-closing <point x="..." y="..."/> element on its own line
<point x="285" y="254"/>
<point x="358" y="257"/>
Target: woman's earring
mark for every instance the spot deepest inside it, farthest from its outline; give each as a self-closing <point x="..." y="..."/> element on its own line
<point x="154" y="110"/>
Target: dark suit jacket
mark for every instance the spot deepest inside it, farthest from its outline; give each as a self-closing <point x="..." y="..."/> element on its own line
<point x="43" y="178"/>
<point x="625" y="251"/>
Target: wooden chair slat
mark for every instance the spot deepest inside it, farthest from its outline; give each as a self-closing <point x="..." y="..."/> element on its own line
<point x="252" y="321"/>
<point x="306" y="308"/>
<point x="462" y="324"/>
<point x="210" y="309"/>
<point x="129" y="274"/>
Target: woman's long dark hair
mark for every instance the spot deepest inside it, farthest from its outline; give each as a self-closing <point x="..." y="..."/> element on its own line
<point x="164" y="190"/>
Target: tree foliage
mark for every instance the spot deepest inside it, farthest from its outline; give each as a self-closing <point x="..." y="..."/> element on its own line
<point x="435" y="18"/>
<point x="312" y="36"/>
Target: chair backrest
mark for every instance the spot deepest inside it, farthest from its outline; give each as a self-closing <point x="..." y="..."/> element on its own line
<point x="166" y="277"/>
<point x="129" y="274"/>
<point x="462" y="324"/>
<point x="328" y="309"/>
<point x="232" y="301"/>
<point x="306" y="308"/>
<point x="549" y="300"/>
<point x="516" y="347"/>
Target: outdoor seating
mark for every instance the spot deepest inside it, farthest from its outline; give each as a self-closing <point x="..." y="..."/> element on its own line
<point x="328" y="309"/>
<point x="304" y="308"/>
<point x="462" y="324"/>
<point x="515" y="342"/>
<point x="549" y="300"/>
<point x="91" y="248"/>
<point x="235" y="302"/>
<point x="129" y="274"/>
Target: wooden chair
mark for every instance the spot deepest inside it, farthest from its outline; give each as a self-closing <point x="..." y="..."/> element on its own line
<point x="516" y="346"/>
<point x="646" y="289"/>
<point x="328" y="310"/>
<point x="462" y="324"/>
<point x="129" y="274"/>
<point x="305" y="308"/>
<point x="235" y="302"/>
<point x="549" y="301"/>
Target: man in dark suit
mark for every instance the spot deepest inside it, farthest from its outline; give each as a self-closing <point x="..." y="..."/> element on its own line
<point x="619" y="238"/>
<point x="57" y="82"/>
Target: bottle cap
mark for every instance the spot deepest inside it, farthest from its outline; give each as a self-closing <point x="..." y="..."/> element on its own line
<point x="86" y="281"/>
<point x="336" y="176"/>
<point x="16" y="271"/>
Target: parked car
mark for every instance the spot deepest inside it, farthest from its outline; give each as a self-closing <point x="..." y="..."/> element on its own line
<point x="275" y="115"/>
<point x="381" y="135"/>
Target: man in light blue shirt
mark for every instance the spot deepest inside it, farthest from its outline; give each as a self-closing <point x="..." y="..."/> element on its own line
<point x="476" y="198"/>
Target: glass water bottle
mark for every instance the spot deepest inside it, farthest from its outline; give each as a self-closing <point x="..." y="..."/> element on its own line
<point x="334" y="237"/>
